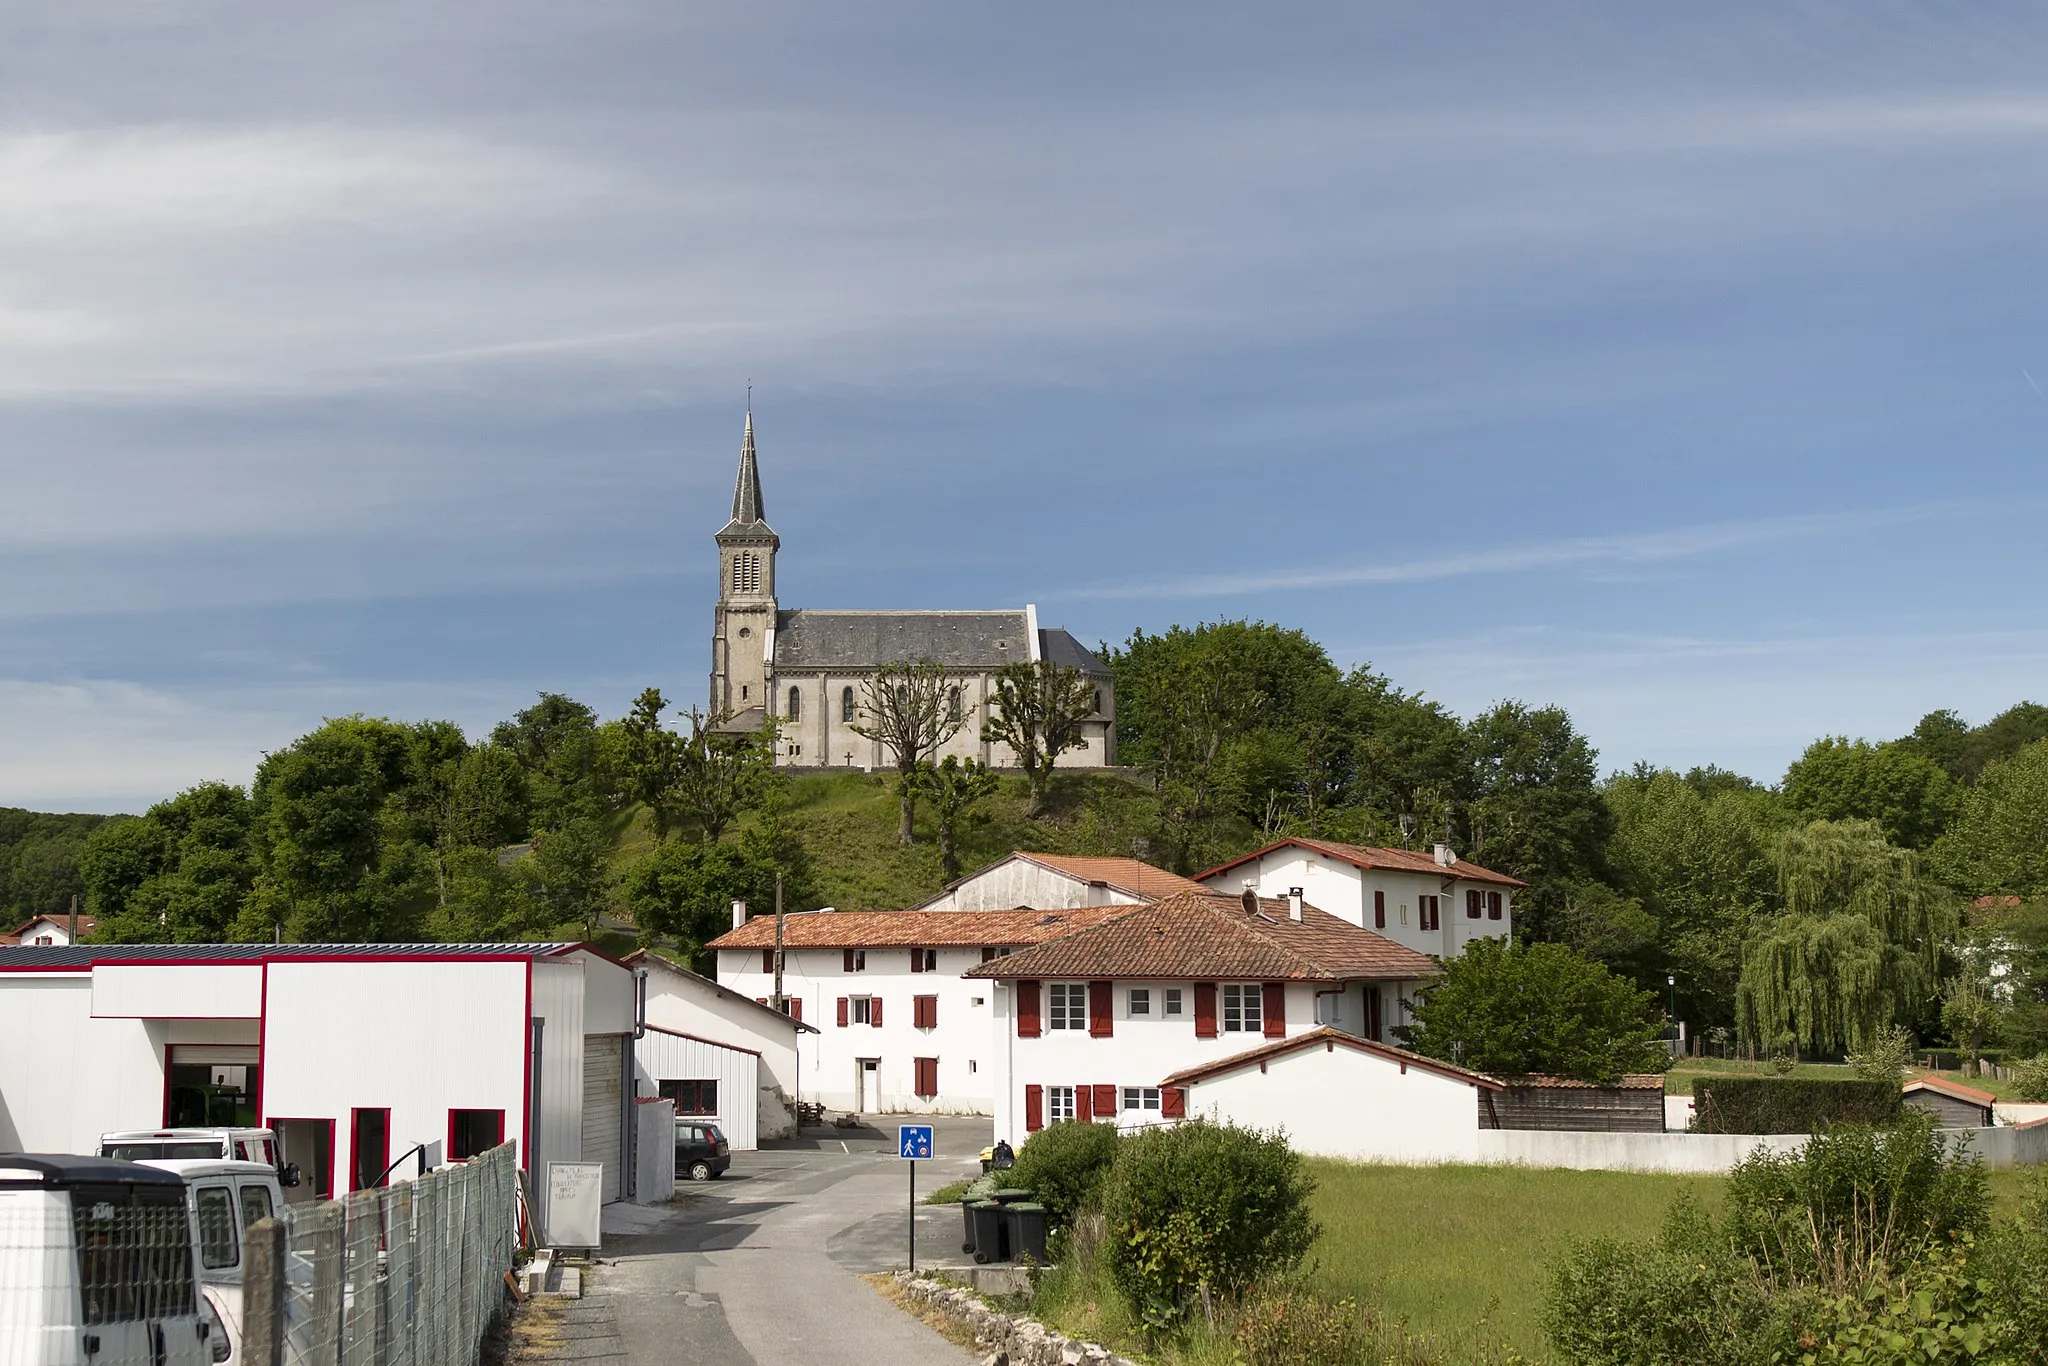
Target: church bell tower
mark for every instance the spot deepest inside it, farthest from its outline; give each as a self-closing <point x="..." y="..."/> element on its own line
<point x="743" y="638"/>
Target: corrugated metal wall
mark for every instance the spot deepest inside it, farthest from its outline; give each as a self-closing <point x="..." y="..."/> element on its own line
<point x="667" y="1057"/>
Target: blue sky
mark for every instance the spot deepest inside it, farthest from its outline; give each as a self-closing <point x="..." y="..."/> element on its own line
<point x="1679" y="370"/>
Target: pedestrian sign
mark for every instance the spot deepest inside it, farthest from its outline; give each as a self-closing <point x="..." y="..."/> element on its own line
<point x="914" y="1141"/>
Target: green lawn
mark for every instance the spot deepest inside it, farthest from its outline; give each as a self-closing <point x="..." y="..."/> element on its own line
<point x="1679" y="1080"/>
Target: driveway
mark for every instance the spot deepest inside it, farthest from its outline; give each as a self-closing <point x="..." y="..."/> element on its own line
<point x="763" y="1267"/>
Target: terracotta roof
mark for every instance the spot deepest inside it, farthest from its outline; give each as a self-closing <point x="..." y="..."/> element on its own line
<point x="1330" y="1038"/>
<point x="1362" y="856"/>
<point x="915" y="929"/>
<point x="1954" y="1089"/>
<point x="1633" y="1081"/>
<point x="1203" y="935"/>
<point x="62" y="919"/>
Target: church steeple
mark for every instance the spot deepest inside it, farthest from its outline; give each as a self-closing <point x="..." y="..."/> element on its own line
<point x="746" y="490"/>
<point x="743" y="631"/>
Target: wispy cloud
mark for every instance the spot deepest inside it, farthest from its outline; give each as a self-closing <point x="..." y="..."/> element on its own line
<point x="1633" y="548"/>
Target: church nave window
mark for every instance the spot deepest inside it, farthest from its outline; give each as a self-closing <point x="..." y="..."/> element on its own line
<point x="846" y="704"/>
<point x="953" y="704"/>
<point x="796" y="703"/>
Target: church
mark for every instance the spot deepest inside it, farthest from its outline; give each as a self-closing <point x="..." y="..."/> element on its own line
<point x="805" y="666"/>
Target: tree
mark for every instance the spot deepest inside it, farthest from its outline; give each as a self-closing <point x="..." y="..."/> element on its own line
<point x="1543" y="1008"/>
<point x="556" y="742"/>
<point x="568" y="874"/>
<point x="178" y="874"/>
<point x="1907" y="794"/>
<point x="950" y="787"/>
<point x="1969" y="1010"/>
<point x="1999" y="842"/>
<point x="1856" y="944"/>
<point x="1041" y="709"/>
<point x="489" y="900"/>
<point x="718" y="775"/>
<point x="1536" y="811"/>
<point x="683" y="893"/>
<point x="911" y="709"/>
<point x="650" y="755"/>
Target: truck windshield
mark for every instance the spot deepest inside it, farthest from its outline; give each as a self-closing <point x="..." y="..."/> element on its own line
<point x="159" y="1152"/>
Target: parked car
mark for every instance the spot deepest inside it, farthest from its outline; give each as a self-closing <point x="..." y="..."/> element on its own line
<point x="701" y="1150"/>
<point x="225" y="1198"/>
<point x="109" y="1246"/>
<point x="198" y="1145"/>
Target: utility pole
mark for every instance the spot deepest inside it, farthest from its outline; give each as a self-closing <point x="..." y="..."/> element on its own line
<point x="74" y="917"/>
<point x="780" y="1004"/>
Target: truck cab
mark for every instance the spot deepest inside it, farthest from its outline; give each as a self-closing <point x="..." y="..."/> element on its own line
<point x="99" y="1265"/>
<point x="199" y="1145"/>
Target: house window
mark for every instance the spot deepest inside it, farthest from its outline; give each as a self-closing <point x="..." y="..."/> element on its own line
<point x="46" y="940"/>
<point x="1170" y="1004"/>
<point x="1471" y="904"/>
<point x="1493" y="905"/>
<point x="1069" y="1003"/>
<point x="924" y="960"/>
<point x="1141" y="1098"/>
<point x="1379" y="910"/>
<point x="767" y="960"/>
<point x="1059" y="1103"/>
<point x="925" y="1078"/>
<point x="693" y="1097"/>
<point x="1426" y="909"/>
<point x="1098" y="701"/>
<point x="796" y="703"/>
<point x="953" y="704"/>
<point x="924" y="1012"/>
<point x="846" y="704"/>
<point x="1241" y="1010"/>
<point x="1141" y="1000"/>
<point x="854" y="960"/>
<point x="863" y="1009"/>
<point x="991" y="952"/>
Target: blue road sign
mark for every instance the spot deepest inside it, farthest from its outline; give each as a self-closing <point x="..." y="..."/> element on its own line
<point x="914" y="1141"/>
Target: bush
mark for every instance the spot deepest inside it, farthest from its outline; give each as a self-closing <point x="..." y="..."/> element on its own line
<point x="1202" y="1203"/>
<point x="1291" y="1326"/>
<point x="2030" y="1080"/>
<point x="1783" y="1105"/>
<point x="1684" y="1298"/>
<point x="1886" y="1057"/>
<point x="1064" y="1165"/>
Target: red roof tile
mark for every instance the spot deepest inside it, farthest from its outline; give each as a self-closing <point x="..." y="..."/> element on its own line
<point x="1951" y="1088"/>
<point x="915" y="929"/>
<point x="1206" y="935"/>
<point x="1364" y="856"/>
<point x="1330" y="1038"/>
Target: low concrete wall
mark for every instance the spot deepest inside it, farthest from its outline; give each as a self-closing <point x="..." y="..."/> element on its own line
<point x="1678" y="1152"/>
<point x="2018" y="1112"/>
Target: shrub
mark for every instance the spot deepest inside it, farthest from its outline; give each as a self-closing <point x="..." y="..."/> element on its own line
<point x="2030" y="1080"/>
<point x="1292" y="1326"/>
<point x="1064" y="1164"/>
<point x="1886" y="1057"/>
<point x="1686" y="1297"/>
<point x="1202" y="1203"/>
<point x="1783" y="1105"/>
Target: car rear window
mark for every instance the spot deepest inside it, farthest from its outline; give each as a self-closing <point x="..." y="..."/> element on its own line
<point x="134" y="1251"/>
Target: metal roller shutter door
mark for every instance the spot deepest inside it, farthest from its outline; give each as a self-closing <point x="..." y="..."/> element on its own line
<point x="603" y="1098"/>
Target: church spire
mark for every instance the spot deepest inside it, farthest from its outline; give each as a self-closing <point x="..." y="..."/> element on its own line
<point x="746" y="491"/>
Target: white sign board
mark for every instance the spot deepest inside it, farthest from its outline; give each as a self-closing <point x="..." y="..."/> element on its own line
<point x="575" y="1203"/>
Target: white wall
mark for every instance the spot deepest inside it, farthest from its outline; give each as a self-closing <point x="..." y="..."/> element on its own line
<point x="1339" y="1102"/>
<point x="659" y="1056"/>
<point x="962" y="1042"/>
<point x="66" y="1077"/>
<point x="182" y="991"/>
<point x="1346" y="891"/>
<point x="691" y="1005"/>
<point x="416" y="1038"/>
<point x="1019" y="882"/>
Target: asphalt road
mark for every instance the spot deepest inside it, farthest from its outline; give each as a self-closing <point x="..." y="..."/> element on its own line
<point x="762" y="1267"/>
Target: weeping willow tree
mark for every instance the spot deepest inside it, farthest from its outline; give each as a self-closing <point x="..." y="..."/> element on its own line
<point x="1855" y="946"/>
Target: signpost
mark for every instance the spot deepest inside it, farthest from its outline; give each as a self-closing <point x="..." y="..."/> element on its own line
<point x="914" y="1145"/>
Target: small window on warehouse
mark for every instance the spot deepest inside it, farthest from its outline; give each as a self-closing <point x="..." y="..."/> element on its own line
<point x="695" y="1096"/>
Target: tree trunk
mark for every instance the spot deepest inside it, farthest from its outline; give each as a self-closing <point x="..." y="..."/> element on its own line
<point x="949" y="860"/>
<point x="1039" y="780"/>
<point x="906" y="831"/>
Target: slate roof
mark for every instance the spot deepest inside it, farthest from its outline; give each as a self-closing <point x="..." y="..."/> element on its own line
<point x="749" y="516"/>
<point x="1330" y="1038"/>
<point x="915" y="929"/>
<point x="811" y="639"/>
<point x="1060" y="647"/>
<point x="1363" y="856"/>
<point x="1204" y="935"/>
<point x="82" y="956"/>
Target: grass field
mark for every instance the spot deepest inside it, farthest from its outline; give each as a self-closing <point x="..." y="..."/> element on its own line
<point x="1679" y="1080"/>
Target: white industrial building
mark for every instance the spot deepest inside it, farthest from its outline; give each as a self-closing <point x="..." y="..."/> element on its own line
<point x="1434" y="903"/>
<point x="719" y="1055"/>
<point x="354" y="1053"/>
<point x="1056" y="882"/>
<point x="1088" y="1025"/>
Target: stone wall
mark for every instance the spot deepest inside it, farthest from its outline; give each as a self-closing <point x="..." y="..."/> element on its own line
<point x="1007" y="1340"/>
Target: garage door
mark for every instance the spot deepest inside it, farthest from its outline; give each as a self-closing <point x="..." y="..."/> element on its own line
<point x="603" y="1095"/>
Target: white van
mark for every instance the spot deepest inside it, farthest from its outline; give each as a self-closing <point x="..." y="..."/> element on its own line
<point x="224" y="1199"/>
<point x="97" y="1266"/>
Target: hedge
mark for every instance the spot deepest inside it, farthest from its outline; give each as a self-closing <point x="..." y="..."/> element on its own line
<point x="1788" y="1105"/>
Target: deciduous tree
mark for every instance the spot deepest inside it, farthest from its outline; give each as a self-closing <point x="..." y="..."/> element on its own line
<point x="1041" y="711"/>
<point x="1840" y="780"/>
<point x="912" y="708"/>
<point x="1999" y="842"/>
<point x="950" y="788"/>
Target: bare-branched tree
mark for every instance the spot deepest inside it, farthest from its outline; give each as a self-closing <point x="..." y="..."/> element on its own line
<point x="1041" y="709"/>
<point x="912" y="708"/>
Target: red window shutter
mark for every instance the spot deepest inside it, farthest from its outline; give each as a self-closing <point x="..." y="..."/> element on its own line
<point x="1205" y="1010"/>
<point x="917" y="960"/>
<point x="1173" y="1103"/>
<point x="927" y="1078"/>
<point x="1471" y="904"/>
<point x="760" y="1000"/>
<point x="1105" y="1101"/>
<point x="1379" y="910"/>
<point x="1493" y="905"/>
<point x="796" y="1007"/>
<point x="842" y="1012"/>
<point x="1084" y="1103"/>
<point x="1028" y="1023"/>
<point x="1273" y="1009"/>
<point x="767" y="960"/>
<point x="875" y="1012"/>
<point x="1034" y="1109"/>
<point x="846" y="963"/>
<point x="1101" y="1020"/>
<point x="925" y="1012"/>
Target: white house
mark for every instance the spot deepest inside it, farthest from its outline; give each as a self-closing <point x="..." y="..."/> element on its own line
<point x="1058" y="881"/>
<point x="899" y="1028"/>
<point x="1089" y="1023"/>
<point x="50" y="931"/>
<point x="1338" y="1095"/>
<point x="719" y="1055"/>
<point x="353" y="1052"/>
<point x="1434" y="903"/>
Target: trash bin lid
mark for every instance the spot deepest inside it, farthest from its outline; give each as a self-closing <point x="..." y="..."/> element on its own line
<point x="1024" y="1207"/>
<point x="1010" y="1194"/>
<point x="983" y="1204"/>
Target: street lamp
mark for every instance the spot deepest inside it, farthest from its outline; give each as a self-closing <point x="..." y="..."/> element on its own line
<point x="1671" y="981"/>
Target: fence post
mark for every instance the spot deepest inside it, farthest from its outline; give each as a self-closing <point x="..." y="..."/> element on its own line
<point x="263" y="1295"/>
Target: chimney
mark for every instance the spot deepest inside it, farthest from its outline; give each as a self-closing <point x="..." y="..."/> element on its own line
<point x="1250" y="897"/>
<point x="1444" y="857"/>
<point x="739" y="913"/>
<point x="1294" y="904"/>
